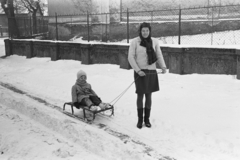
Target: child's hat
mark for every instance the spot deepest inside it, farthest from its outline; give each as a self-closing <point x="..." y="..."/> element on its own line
<point x="81" y="73"/>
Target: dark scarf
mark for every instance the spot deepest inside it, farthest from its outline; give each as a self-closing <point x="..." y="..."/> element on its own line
<point x="81" y="83"/>
<point x="147" y="42"/>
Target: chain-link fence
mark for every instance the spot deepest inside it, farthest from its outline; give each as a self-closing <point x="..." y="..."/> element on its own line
<point x="218" y="25"/>
<point x="27" y="27"/>
<point x="3" y="31"/>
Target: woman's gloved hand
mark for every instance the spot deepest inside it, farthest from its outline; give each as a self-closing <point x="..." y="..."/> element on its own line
<point x="141" y="73"/>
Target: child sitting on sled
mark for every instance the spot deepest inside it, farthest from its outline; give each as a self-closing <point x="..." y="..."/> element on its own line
<point x="83" y="95"/>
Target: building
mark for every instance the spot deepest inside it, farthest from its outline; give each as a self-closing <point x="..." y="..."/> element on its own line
<point x="70" y="7"/>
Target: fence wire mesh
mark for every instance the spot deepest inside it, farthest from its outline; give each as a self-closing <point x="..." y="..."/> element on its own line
<point x="218" y="25"/>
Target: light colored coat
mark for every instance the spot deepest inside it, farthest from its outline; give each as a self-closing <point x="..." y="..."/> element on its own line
<point x="137" y="55"/>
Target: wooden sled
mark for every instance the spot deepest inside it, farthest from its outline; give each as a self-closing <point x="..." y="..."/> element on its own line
<point x="85" y="108"/>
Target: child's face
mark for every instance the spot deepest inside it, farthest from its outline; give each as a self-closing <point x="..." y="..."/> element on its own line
<point x="83" y="77"/>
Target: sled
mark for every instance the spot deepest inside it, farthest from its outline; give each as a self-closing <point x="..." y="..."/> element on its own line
<point x="93" y="113"/>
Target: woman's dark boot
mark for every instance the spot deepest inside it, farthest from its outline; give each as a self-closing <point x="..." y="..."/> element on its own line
<point x="140" y="118"/>
<point x="146" y="117"/>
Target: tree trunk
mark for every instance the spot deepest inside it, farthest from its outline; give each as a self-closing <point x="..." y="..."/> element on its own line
<point x="12" y="20"/>
<point x="12" y="23"/>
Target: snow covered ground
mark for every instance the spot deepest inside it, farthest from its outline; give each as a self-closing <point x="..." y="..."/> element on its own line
<point x="216" y="38"/>
<point x="194" y="117"/>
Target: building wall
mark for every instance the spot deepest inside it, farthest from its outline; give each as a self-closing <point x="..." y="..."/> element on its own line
<point x="65" y="7"/>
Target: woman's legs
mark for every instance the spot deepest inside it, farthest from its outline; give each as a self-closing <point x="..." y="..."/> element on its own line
<point x="140" y="110"/>
<point x="148" y="101"/>
<point x="147" y="110"/>
<point x="139" y="101"/>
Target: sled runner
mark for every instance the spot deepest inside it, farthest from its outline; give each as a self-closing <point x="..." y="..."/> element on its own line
<point x="92" y="112"/>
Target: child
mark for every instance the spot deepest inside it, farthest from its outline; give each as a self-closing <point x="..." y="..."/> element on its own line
<point x="82" y="94"/>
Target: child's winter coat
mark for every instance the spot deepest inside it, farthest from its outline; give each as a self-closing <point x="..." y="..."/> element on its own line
<point x="81" y="89"/>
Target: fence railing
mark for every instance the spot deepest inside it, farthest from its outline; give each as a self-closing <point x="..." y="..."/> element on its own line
<point x="215" y="25"/>
<point x="28" y="26"/>
<point x="3" y="31"/>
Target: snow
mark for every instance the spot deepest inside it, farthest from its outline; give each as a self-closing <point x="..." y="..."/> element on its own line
<point x="225" y="39"/>
<point x="193" y="116"/>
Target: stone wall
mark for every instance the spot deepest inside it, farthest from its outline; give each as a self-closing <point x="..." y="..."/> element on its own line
<point x="179" y="59"/>
<point x="202" y="60"/>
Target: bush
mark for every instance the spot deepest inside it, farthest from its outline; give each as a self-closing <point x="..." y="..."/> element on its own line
<point x="118" y="31"/>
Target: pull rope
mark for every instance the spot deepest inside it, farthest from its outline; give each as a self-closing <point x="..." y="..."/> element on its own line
<point x="121" y="94"/>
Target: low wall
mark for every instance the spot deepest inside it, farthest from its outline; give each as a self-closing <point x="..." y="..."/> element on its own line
<point x="179" y="59"/>
<point x="202" y="60"/>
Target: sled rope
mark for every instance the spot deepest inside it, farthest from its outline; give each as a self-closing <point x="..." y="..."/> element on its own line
<point x="120" y="95"/>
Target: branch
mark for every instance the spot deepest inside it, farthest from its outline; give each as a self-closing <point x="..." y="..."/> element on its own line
<point x="3" y="5"/>
<point x="29" y="5"/>
<point x="26" y="6"/>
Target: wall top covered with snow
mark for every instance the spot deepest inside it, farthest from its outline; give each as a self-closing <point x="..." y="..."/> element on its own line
<point x="179" y="60"/>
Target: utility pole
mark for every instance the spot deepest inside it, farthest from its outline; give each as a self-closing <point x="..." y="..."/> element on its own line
<point x="208" y="7"/>
<point x="219" y="9"/>
<point x="120" y="10"/>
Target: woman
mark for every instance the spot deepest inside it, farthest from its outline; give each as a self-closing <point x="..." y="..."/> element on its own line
<point x="144" y="52"/>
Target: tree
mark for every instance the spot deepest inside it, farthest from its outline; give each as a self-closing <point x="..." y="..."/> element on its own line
<point x="18" y="7"/>
<point x="10" y="7"/>
<point x="7" y="6"/>
<point x="33" y="7"/>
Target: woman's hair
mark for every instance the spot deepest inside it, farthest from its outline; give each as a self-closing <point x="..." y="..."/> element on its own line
<point x="145" y="25"/>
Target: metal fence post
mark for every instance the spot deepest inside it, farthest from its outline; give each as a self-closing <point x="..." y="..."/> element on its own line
<point x="212" y="28"/>
<point x="30" y="26"/>
<point x="106" y="27"/>
<point x="1" y="30"/>
<point x="127" y="26"/>
<point x="88" y="26"/>
<point x="152" y="17"/>
<point x="179" y="26"/>
<point x="71" y="24"/>
<point x="25" y="28"/>
<point x="56" y="26"/>
<point x="120" y="10"/>
<point x="9" y="29"/>
<point x="42" y="26"/>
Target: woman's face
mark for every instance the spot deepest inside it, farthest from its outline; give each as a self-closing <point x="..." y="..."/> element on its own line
<point x="145" y="32"/>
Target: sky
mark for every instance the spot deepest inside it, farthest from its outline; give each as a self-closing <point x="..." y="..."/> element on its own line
<point x="193" y="116"/>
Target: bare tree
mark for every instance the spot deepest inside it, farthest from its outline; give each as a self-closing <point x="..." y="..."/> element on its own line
<point x="33" y="7"/>
<point x="18" y="7"/>
<point x="7" y="6"/>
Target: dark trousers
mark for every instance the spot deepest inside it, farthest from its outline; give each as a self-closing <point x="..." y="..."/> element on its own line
<point x="91" y="101"/>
